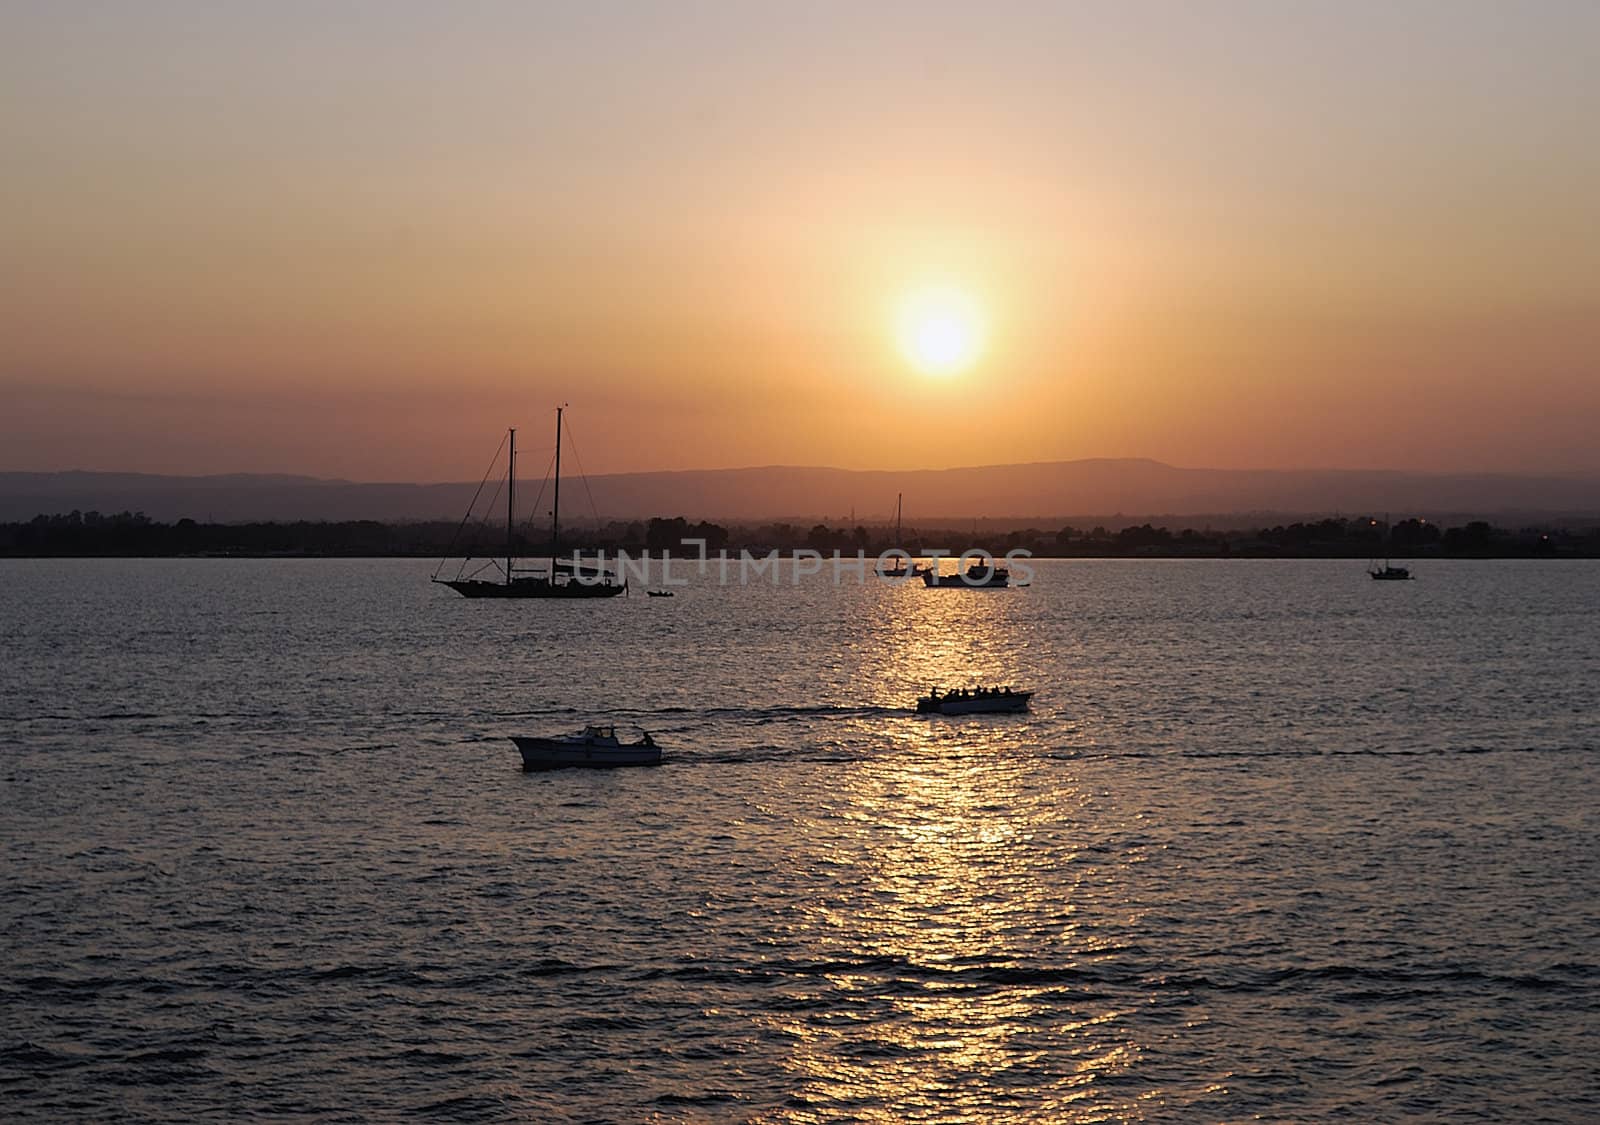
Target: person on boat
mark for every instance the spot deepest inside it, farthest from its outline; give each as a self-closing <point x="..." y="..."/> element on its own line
<point x="648" y="741"/>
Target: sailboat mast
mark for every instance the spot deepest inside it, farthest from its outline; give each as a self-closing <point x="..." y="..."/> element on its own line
<point x="898" y="496"/>
<point x="511" y="500"/>
<point x="555" y="511"/>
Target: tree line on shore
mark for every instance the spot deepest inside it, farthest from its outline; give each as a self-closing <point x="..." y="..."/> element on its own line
<point x="133" y="534"/>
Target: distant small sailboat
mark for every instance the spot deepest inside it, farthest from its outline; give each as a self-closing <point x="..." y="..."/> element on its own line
<point x="596" y="746"/>
<point x="563" y="579"/>
<point x="899" y="570"/>
<point x="1388" y="573"/>
<point x="974" y="701"/>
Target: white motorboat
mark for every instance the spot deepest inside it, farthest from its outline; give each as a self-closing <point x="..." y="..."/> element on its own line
<point x="595" y="746"/>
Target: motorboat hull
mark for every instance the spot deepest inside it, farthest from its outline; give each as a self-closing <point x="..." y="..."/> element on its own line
<point x="993" y="581"/>
<point x="1000" y="704"/>
<point x="562" y="753"/>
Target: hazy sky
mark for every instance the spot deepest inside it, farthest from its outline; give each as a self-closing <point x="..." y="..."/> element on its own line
<point x="361" y="239"/>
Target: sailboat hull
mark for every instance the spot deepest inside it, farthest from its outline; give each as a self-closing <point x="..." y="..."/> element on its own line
<point x="902" y="572"/>
<point x="531" y="588"/>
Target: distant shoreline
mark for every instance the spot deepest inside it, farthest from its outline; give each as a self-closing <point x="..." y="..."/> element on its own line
<point x="132" y="535"/>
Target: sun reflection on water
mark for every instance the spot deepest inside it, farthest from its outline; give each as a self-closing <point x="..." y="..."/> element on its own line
<point x="973" y="990"/>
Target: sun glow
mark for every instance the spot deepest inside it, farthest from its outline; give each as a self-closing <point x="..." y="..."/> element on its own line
<point x="940" y="329"/>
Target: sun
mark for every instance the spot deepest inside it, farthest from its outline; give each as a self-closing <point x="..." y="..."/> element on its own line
<point x="940" y="329"/>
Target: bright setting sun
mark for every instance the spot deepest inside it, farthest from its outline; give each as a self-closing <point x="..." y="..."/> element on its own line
<point x="940" y="329"/>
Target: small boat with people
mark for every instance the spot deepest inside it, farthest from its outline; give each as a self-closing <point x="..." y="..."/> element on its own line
<point x="974" y="701"/>
<point x="596" y="746"/>
<point x="981" y="575"/>
<point x="660" y="593"/>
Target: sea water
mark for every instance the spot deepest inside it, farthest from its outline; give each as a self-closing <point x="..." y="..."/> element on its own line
<point x="1275" y="841"/>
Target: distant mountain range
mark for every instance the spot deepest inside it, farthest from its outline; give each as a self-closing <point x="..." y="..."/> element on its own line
<point x="1042" y="493"/>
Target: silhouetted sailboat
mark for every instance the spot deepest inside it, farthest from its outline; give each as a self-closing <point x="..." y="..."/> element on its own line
<point x="1388" y="573"/>
<point x="898" y="570"/>
<point x="563" y="579"/>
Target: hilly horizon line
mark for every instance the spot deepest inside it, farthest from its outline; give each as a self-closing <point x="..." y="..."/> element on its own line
<point x="301" y="478"/>
<point x="1026" y="494"/>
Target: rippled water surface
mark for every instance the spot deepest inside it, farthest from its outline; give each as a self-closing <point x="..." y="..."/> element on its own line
<point x="1276" y="841"/>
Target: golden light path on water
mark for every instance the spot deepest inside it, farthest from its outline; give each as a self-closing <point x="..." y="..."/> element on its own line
<point x="961" y="1000"/>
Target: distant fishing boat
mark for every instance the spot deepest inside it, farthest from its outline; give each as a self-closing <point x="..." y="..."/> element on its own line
<point x="1388" y="573"/>
<point x="562" y="579"/>
<point x="974" y="701"/>
<point x="979" y="576"/>
<point x="898" y="570"/>
<point x="596" y="747"/>
<point x="660" y="593"/>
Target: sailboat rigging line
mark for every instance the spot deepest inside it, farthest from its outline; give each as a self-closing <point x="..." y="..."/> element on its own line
<point x="450" y="554"/>
<point x="527" y="524"/>
<point x="483" y="524"/>
<point x="583" y="476"/>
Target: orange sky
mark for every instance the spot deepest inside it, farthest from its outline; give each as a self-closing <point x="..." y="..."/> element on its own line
<point x="361" y="241"/>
